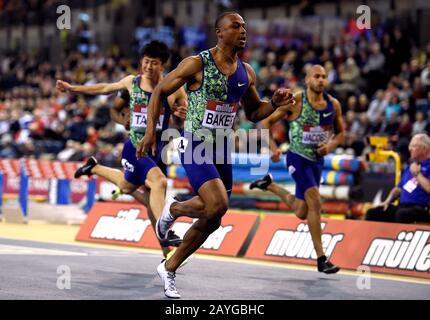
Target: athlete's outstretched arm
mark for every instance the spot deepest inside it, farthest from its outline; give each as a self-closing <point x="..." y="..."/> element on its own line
<point x="339" y="132"/>
<point x="267" y="123"/>
<point x="185" y="72"/>
<point x="94" y="89"/>
<point x="277" y="115"/>
<point x="256" y="109"/>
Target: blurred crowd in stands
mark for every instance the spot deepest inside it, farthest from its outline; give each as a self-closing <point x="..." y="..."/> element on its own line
<point x="381" y="77"/>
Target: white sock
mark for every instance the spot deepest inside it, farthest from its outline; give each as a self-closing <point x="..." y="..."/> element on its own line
<point x="169" y="215"/>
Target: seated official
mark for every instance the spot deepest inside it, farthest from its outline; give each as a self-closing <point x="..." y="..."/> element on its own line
<point x="413" y="189"/>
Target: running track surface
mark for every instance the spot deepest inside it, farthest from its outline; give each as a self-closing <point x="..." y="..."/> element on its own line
<point x="29" y="271"/>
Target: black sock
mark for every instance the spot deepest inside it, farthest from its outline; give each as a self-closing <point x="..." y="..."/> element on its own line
<point x="323" y="258"/>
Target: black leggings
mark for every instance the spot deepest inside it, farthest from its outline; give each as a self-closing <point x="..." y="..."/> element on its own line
<point x="403" y="213"/>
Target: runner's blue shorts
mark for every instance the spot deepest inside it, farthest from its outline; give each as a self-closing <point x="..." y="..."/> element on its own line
<point x="136" y="170"/>
<point x="206" y="161"/>
<point x="306" y="173"/>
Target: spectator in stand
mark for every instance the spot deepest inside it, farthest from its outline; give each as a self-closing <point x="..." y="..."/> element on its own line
<point x="414" y="71"/>
<point x="406" y="91"/>
<point x="413" y="189"/>
<point x="349" y="76"/>
<point x="419" y="124"/>
<point x="349" y="120"/>
<point x="363" y="103"/>
<point x="377" y="106"/>
<point x="364" y="126"/>
<point x="354" y="145"/>
<point x="8" y="149"/>
<point x="391" y="128"/>
<point x="70" y="149"/>
<point x="83" y="152"/>
<point x="28" y="149"/>
<point x="405" y="127"/>
<point x="352" y="104"/>
<point x="405" y="72"/>
<point x="373" y="69"/>
<point x="393" y="106"/>
<point x="377" y="126"/>
<point x="426" y="107"/>
<point x="78" y="129"/>
<point x="425" y="76"/>
<point x="419" y="93"/>
<point x="404" y="136"/>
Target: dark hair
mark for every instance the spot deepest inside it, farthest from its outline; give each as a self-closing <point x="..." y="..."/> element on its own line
<point x="156" y="49"/>
<point x="222" y="16"/>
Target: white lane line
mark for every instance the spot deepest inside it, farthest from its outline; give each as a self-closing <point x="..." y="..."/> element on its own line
<point x="240" y="260"/>
<point x="21" y="250"/>
<point x="291" y="266"/>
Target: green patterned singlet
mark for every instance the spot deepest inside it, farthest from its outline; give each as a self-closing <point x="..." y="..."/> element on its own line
<point x="139" y="100"/>
<point x="214" y="105"/>
<point x="311" y="128"/>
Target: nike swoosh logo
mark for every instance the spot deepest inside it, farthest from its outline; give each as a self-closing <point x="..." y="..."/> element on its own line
<point x="325" y="115"/>
<point x="241" y="84"/>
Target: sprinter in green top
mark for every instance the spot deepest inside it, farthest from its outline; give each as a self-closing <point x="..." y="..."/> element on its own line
<point x="316" y="128"/>
<point x="217" y="80"/>
<point x="142" y="172"/>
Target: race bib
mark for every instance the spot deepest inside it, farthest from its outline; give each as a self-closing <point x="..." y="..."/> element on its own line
<point x="411" y="185"/>
<point x="140" y="116"/>
<point x="316" y="135"/>
<point x="219" y="115"/>
<point x="180" y="144"/>
<point x="291" y="170"/>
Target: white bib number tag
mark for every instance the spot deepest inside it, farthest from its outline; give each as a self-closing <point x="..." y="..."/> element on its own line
<point x="219" y="115"/>
<point x="140" y="117"/>
<point x="315" y="135"/>
<point x="180" y="144"/>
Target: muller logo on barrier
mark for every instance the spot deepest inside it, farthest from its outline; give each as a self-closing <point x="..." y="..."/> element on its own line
<point x="126" y="226"/>
<point x="129" y="225"/>
<point x="214" y="241"/>
<point x="288" y="239"/>
<point x="115" y="223"/>
<point x="409" y="251"/>
<point x="383" y="247"/>
<point x="298" y="243"/>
